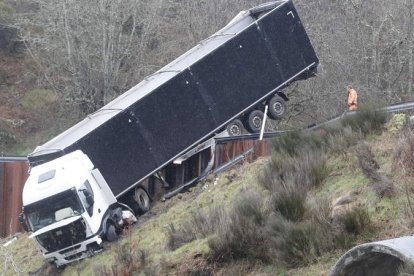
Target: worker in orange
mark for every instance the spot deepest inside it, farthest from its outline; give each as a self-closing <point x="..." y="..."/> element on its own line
<point x="352" y="99"/>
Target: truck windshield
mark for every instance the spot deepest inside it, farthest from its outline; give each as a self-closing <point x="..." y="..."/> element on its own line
<point x="53" y="209"/>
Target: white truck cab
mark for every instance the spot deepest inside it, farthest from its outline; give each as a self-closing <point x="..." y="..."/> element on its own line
<point x="69" y="208"/>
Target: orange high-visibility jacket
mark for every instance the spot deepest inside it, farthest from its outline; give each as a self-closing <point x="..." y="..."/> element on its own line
<point x="352" y="99"/>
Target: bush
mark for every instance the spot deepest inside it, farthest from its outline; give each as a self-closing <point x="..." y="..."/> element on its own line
<point x="397" y="123"/>
<point x="293" y="142"/>
<point x="296" y="244"/>
<point x="306" y="170"/>
<point x="357" y="221"/>
<point x="128" y="261"/>
<point x="342" y="138"/>
<point x="367" y="119"/>
<point x="205" y="223"/>
<point x="243" y="236"/>
<point x="289" y="203"/>
<point x="176" y="238"/>
<point x="201" y="225"/>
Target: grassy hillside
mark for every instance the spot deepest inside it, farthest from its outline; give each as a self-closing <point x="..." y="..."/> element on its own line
<point x="294" y="213"/>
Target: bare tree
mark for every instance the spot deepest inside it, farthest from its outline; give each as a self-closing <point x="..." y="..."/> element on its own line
<point x="363" y="43"/>
<point x="86" y="49"/>
<point x="91" y="51"/>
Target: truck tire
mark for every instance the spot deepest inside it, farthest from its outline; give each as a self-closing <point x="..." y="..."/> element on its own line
<point x="143" y="201"/>
<point x="111" y="234"/>
<point x="235" y="128"/>
<point x="254" y="121"/>
<point x="277" y="108"/>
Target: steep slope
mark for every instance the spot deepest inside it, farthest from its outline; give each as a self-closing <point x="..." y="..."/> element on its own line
<point x="175" y="237"/>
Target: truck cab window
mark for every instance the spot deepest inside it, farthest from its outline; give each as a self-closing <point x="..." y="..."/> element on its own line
<point x="87" y="197"/>
<point x="53" y="209"/>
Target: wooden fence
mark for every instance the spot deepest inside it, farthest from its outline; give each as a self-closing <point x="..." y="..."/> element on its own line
<point x="12" y="178"/>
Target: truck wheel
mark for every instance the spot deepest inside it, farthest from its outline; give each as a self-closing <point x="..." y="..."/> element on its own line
<point x="143" y="201"/>
<point x="254" y="121"/>
<point x="277" y="108"/>
<point x="111" y="234"/>
<point x="235" y="128"/>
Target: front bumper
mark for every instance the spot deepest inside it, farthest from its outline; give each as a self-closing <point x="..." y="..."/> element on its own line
<point x="75" y="252"/>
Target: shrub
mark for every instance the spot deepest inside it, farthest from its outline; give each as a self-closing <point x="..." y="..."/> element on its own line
<point x="249" y="205"/>
<point x="306" y="170"/>
<point x="319" y="212"/>
<point x="205" y="223"/>
<point x="295" y="244"/>
<point x="243" y="236"/>
<point x="294" y="141"/>
<point x="367" y="119"/>
<point x="200" y="225"/>
<point x="342" y="138"/>
<point x="289" y="203"/>
<point x="356" y="221"/>
<point x="176" y="238"/>
<point x="241" y="239"/>
<point x="127" y="261"/>
<point x="397" y="123"/>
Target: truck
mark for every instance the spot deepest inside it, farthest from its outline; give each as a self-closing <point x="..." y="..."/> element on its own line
<point x="85" y="183"/>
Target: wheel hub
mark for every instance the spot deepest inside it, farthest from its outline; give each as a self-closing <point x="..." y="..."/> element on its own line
<point x="278" y="108"/>
<point x="257" y="121"/>
<point x="235" y="129"/>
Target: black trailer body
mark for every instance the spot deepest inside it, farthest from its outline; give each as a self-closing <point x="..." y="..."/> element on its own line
<point x="186" y="102"/>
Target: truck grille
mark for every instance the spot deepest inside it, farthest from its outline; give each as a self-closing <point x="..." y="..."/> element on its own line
<point x="64" y="236"/>
<point x="70" y="249"/>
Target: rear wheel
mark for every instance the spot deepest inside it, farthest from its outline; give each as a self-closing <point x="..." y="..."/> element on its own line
<point x="235" y="128"/>
<point x="277" y="108"/>
<point x="143" y="201"/>
<point x="254" y="121"/>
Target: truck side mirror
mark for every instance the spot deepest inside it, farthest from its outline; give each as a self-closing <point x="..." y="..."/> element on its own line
<point x="22" y="220"/>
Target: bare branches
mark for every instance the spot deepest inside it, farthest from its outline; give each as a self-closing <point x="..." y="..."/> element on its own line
<point x="91" y="51"/>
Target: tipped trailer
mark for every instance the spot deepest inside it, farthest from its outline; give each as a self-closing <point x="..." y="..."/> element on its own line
<point x="87" y="181"/>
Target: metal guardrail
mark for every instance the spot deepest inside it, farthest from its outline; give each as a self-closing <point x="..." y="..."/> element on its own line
<point x="399" y="107"/>
<point x="4" y="159"/>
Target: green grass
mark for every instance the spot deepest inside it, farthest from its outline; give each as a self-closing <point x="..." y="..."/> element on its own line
<point x="24" y="254"/>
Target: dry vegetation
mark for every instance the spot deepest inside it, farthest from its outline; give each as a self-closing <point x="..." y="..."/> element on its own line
<point x="290" y="219"/>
